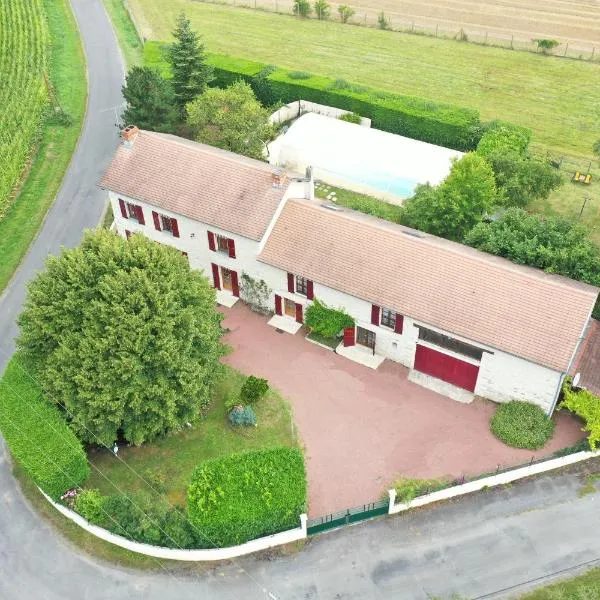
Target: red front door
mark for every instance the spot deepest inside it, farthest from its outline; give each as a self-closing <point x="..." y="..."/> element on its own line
<point x="447" y="368"/>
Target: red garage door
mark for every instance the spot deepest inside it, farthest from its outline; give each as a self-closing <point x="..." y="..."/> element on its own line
<point x="447" y="368"/>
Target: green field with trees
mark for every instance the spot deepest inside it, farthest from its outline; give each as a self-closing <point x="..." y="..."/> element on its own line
<point x="36" y="140"/>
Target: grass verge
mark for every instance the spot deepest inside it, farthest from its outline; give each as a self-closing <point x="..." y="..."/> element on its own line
<point x="168" y="463"/>
<point x="127" y="36"/>
<point x="24" y="217"/>
<point x="332" y="343"/>
<point x="582" y="587"/>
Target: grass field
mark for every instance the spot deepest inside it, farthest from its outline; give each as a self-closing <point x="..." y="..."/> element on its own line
<point x="168" y="463"/>
<point x="129" y="42"/>
<point x="66" y="69"/>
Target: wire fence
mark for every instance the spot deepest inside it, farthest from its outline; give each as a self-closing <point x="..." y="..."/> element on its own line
<point x="579" y="50"/>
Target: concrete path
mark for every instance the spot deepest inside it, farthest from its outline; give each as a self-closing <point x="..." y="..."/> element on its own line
<point x="79" y="203"/>
<point x="362" y="428"/>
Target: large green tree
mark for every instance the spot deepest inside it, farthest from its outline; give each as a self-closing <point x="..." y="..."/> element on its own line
<point x="150" y="100"/>
<point x="187" y="58"/>
<point x="231" y="119"/>
<point x="553" y="244"/>
<point x="454" y="207"/>
<point x="124" y="336"/>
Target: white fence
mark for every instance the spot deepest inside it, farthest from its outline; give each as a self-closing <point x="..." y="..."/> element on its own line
<point x="300" y="107"/>
<point x="210" y="554"/>
<point x="488" y="482"/>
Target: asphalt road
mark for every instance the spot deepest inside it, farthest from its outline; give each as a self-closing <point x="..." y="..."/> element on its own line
<point x="79" y="203"/>
<point x="476" y="547"/>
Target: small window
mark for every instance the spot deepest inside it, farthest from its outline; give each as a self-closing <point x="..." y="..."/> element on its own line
<point x="222" y="244"/>
<point x="166" y="223"/>
<point x="388" y="318"/>
<point x="301" y="285"/>
<point x="450" y="343"/>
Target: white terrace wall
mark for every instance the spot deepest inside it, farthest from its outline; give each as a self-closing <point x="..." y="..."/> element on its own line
<point x="299" y="107"/>
<point x="210" y="554"/>
<point x="502" y="376"/>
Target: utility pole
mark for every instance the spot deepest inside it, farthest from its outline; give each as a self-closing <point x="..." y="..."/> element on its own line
<point x="586" y="198"/>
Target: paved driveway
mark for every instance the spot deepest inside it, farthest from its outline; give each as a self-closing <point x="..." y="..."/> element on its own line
<point x="362" y="428"/>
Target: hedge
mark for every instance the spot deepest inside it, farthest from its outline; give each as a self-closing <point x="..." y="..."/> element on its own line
<point x="37" y="435"/>
<point x="504" y="136"/>
<point x="442" y="124"/>
<point x="522" y="425"/>
<point x="240" y="497"/>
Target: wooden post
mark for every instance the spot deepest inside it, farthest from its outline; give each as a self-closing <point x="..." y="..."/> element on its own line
<point x="566" y="48"/>
<point x="485" y="42"/>
<point x="512" y="39"/>
<point x="413" y="27"/>
<point x="436" y="29"/>
<point x="593" y="52"/>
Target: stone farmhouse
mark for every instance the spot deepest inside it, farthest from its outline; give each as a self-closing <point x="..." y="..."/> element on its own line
<point x="471" y="322"/>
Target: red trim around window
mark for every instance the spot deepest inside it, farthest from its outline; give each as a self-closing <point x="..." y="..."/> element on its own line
<point x="290" y="281"/>
<point x="375" y="314"/>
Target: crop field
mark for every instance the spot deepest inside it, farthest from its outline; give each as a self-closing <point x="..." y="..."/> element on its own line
<point x="23" y="94"/>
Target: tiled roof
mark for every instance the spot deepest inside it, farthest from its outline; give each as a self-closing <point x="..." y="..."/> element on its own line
<point x="198" y="181"/>
<point x="484" y="298"/>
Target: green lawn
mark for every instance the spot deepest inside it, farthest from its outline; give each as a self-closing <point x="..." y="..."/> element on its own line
<point x="168" y="463"/>
<point x="129" y="41"/>
<point x="583" y="587"/>
<point x="24" y="217"/>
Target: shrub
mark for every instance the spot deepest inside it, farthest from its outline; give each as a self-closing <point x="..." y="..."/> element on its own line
<point x="350" y="118"/>
<point x="382" y="21"/>
<point x="322" y="9"/>
<point x="327" y="321"/>
<point x="242" y="416"/>
<point x="522" y="425"/>
<point x="240" y="497"/>
<point x="253" y="389"/>
<point x="586" y="405"/>
<point x="346" y="12"/>
<point x="261" y="86"/>
<point x="302" y="8"/>
<point x="299" y="75"/>
<point x="509" y="138"/>
<point x="546" y="46"/>
<point x="442" y="124"/>
<point x="37" y="435"/>
<point x="90" y="505"/>
<point x="409" y="489"/>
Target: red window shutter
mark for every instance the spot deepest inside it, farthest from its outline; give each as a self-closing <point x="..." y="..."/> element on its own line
<point x="216" y="278"/>
<point x="139" y="211"/>
<point x="211" y="241"/>
<point x="156" y="220"/>
<point x="174" y="227"/>
<point x="235" y="287"/>
<point x="123" y="208"/>
<point x="374" y="314"/>
<point x="310" y="292"/>
<point x="278" y="310"/>
<point x="349" y="336"/>
<point x="291" y="282"/>
<point x="231" y="247"/>
<point x="399" y="323"/>
<point x="299" y="318"/>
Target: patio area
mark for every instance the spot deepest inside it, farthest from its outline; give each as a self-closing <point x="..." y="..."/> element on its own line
<point x="362" y="428"/>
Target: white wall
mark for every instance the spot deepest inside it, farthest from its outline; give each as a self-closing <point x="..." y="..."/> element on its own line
<point x="502" y="377"/>
<point x="299" y="107"/>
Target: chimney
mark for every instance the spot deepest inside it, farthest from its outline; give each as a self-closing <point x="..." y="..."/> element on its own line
<point x="277" y="178"/>
<point x="129" y="134"/>
<point x="309" y="184"/>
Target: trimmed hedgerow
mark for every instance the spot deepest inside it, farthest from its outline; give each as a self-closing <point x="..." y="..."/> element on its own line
<point x="237" y="498"/>
<point x="522" y="425"/>
<point x="37" y="435"/>
<point x="505" y="137"/>
<point x="326" y="321"/>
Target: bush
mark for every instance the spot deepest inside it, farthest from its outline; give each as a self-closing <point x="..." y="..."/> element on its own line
<point x="322" y="9"/>
<point x="242" y="416"/>
<point x="302" y="8"/>
<point x="253" y="389"/>
<point x="409" y="489"/>
<point x="509" y="138"/>
<point x="350" y="118"/>
<point x="37" y="435"/>
<point x="346" y="12"/>
<point x="522" y="425"/>
<point x="237" y="498"/>
<point x="382" y="21"/>
<point x="586" y="405"/>
<point x="327" y="321"/>
<point x="442" y="124"/>
<point x="90" y="505"/>
<point x="545" y="45"/>
<point x="299" y="75"/>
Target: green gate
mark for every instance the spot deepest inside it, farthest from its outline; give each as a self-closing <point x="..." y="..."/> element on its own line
<point x="345" y="517"/>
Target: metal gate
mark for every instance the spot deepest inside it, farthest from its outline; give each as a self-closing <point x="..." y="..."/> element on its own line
<point x="345" y="517"/>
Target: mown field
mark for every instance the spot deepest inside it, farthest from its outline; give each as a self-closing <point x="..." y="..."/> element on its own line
<point x="45" y="145"/>
<point x="23" y="62"/>
<point x="557" y="98"/>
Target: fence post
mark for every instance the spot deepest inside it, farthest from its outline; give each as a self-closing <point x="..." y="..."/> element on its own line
<point x="392" y="496"/>
<point x="512" y="39"/>
<point x="436" y="29"/>
<point x="593" y="52"/>
<point x="412" y="27"/>
<point x="303" y="523"/>
<point x="485" y="42"/>
<point x="566" y="48"/>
